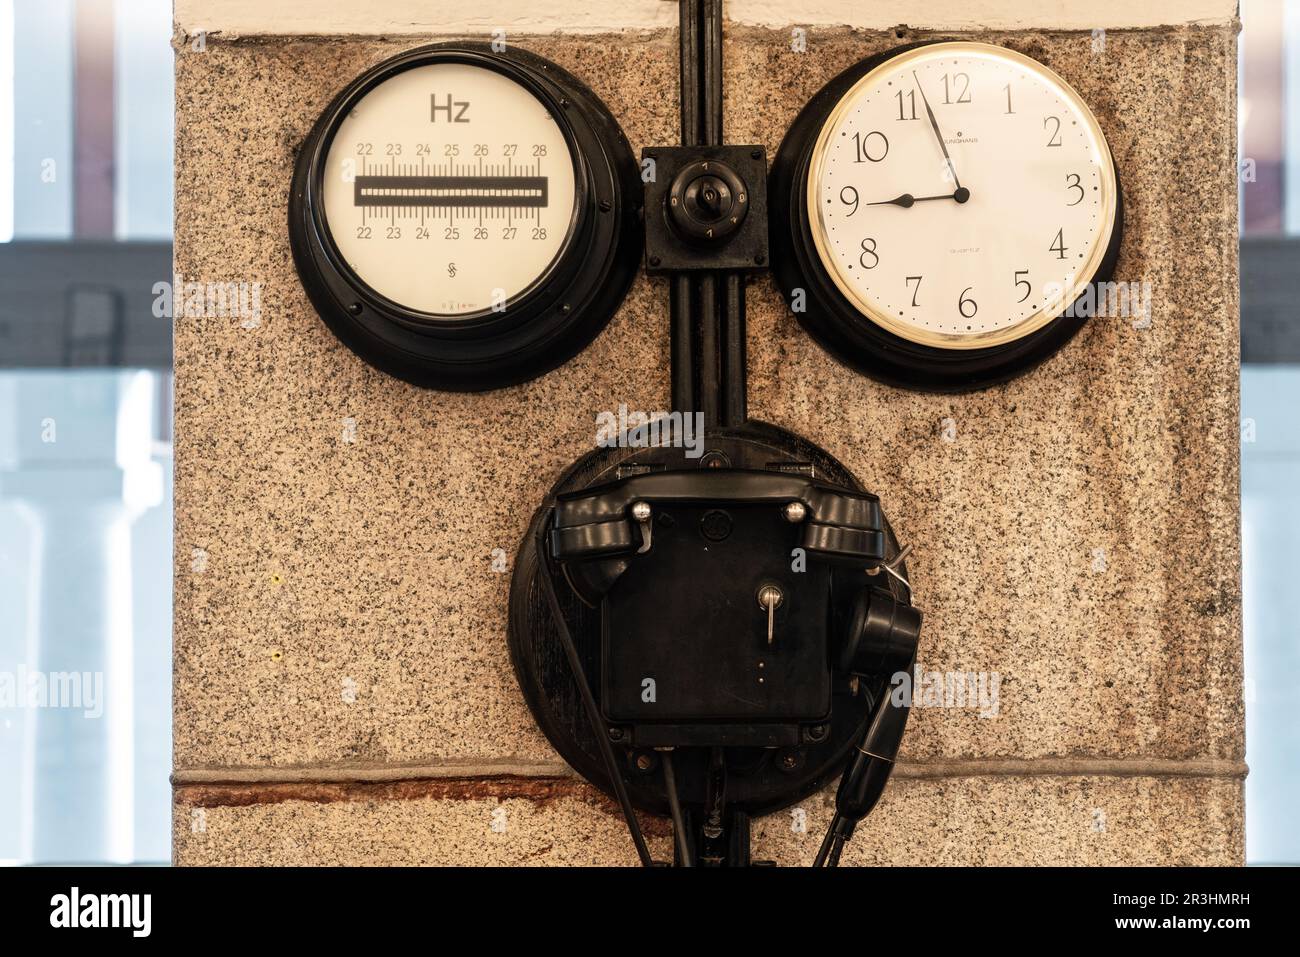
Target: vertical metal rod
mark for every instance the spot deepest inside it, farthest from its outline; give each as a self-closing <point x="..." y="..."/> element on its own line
<point x="734" y="378"/>
<point x="681" y="292"/>
<point x="710" y="369"/>
<point x="689" y="67"/>
<point x="712" y="43"/>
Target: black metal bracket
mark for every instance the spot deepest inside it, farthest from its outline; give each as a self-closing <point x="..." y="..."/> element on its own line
<point x="706" y="209"/>
<point x="707" y="307"/>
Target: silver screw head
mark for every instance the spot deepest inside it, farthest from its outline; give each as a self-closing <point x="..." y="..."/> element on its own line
<point x="641" y="511"/>
<point x="796" y="512"/>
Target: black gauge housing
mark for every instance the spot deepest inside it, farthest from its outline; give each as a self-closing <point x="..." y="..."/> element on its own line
<point x="552" y="320"/>
<point x="837" y="325"/>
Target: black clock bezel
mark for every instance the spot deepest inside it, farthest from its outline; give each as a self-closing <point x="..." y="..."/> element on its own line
<point x="560" y="312"/>
<point x="837" y="325"/>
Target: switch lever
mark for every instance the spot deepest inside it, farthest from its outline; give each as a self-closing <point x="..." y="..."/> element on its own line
<point x="769" y="597"/>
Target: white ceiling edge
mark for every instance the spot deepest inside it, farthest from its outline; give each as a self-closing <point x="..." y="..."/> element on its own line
<point x="982" y="14"/>
<point x="389" y="17"/>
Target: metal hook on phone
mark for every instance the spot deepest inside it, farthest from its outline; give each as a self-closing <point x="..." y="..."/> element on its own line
<point x="891" y="568"/>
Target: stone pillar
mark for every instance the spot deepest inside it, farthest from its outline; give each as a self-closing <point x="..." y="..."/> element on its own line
<point x="343" y="690"/>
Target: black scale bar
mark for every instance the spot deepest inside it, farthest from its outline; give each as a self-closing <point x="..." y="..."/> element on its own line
<point x="459" y="191"/>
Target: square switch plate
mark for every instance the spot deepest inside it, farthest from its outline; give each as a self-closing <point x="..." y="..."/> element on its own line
<point x="667" y="250"/>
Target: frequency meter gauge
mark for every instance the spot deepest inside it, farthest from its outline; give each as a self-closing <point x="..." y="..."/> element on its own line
<point x="466" y="219"/>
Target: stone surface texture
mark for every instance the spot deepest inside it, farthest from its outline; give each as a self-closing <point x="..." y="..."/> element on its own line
<point x="1076" y="530"/>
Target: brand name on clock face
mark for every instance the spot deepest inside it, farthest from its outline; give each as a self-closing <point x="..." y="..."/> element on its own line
<point x="962" y="139"/>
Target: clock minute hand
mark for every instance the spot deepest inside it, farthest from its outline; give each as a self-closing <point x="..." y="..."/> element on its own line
<point x="934" y="125"/>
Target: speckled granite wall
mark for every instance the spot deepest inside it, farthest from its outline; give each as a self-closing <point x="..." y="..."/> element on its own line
<point x="343" y="691"/>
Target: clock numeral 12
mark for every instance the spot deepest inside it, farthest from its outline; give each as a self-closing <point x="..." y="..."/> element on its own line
<point x="963" y="96"/>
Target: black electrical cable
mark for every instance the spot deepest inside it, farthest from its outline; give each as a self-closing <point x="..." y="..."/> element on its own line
<point x="836" y="848"/>
<point x="824" y="851"/>
<point x="675" y="808"/>
<point x="588" y="699"/>
<point x="866" y="774"/>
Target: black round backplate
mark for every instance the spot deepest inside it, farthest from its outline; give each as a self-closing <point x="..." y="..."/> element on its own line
<point x="552" y="320"/>
<point x="759" y="780"/>
<point x="837" y="325"/>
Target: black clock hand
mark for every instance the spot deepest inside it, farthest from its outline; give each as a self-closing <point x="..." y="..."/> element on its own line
<point x="907" y="200"/>
<point x="934" y="125"/>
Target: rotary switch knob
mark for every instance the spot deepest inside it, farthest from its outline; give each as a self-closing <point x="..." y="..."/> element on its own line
<point x="707" y="202"/>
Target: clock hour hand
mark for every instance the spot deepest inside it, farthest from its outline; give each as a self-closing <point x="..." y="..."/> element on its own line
<point x="934" y="125"/>
<point x="907" y="200"/>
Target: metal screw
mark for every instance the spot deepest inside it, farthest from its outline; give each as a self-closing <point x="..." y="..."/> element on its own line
<point x="644" y="762"/>
<point x="760" y="259"/>
<point x="756" y="154"/>
<point x="616" y="734"/>
<point x="641" y="511"/>
<point x="605" y="206"/>
<point x="655" y="260"/>
<point x="796" y="512"/>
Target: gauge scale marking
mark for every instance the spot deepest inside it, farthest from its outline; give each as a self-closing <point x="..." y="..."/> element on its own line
<point x="449" y="188"/>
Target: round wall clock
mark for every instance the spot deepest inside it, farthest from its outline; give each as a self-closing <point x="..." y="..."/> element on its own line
<point x="936" y="211"/>
<point x="466" y="219"/>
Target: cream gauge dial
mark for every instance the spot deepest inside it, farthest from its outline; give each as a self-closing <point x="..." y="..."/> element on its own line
<point x="956" y="196"/>
<point x="448" y="188"/>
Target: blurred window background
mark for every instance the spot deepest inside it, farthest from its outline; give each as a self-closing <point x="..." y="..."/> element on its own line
<point x="1269" y="150"/>
<point x="85" y="431"/>
<point x="85" y="427"/>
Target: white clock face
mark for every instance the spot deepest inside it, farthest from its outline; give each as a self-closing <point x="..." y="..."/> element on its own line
<point x="977" y="246"/>
<point x="449" y="189"/>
